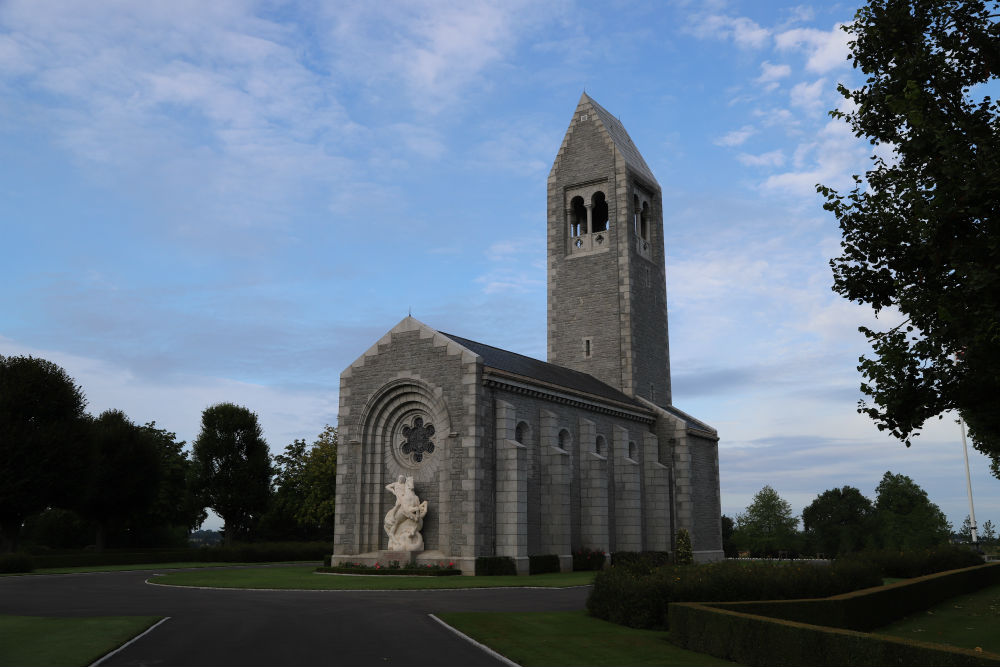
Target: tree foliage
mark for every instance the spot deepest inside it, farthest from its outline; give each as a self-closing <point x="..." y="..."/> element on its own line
<point x="838" y="521"/>
<point x="768" y="525"/>
<point x="921" y="231"/>
<point x="41" y="430"/>
<point x="232" y="467"/>
<point x="123" y="478"/>
<point x="905" y="518"/>
<point x="302" y="503"/>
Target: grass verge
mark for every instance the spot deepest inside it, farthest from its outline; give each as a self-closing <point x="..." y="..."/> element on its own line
<point x="967" y="621"/>
<point x="306" y="578"/>
<point x="37" y="640"/>
<point x="571" y="638"/>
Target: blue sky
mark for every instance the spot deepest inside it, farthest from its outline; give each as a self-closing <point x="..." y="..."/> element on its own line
<point x="231" y="201"/>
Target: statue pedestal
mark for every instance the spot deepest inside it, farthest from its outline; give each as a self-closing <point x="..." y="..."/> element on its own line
<point x="383" y="558"/>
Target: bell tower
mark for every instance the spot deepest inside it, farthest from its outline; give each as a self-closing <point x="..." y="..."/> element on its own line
<point x="607" y="294"/>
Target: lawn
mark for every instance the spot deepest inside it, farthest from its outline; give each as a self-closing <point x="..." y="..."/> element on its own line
<point x="967" y="621"/>
<point x="572" y="638"/>
<point x="306" y="578"/>
<point x="37" y="640"/>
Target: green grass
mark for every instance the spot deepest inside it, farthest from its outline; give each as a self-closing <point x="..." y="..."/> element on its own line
<point x="36" y="640"/>
<point x="572" y="638"/>
<point x="967" y="621"/>
<point x="305" y="578"/>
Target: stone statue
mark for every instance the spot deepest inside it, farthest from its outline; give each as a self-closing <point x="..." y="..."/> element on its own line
<point x="405" y="520"/>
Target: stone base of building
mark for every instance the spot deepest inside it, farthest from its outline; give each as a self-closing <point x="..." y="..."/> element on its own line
<point x="709" y="556"/>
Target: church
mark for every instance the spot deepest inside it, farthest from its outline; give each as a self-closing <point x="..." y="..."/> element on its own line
<point x="518" y="457"/>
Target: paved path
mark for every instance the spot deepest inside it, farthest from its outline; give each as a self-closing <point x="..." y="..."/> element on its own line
<point x="242" y="627"/>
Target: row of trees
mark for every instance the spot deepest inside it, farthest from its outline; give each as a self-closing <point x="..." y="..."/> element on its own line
<point x="69" y="479"/>
<point x="839" y="521"/>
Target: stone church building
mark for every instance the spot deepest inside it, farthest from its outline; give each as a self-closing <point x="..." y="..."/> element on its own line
<point x="516" y="456"/>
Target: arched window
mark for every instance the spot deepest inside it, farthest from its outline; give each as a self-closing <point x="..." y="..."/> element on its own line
<point x="599" y="207"/>
<point x="633" y="450"/>
<point x="636" y="214"/>
<point x="644" y="222"/>
<point x="564" y="439"/>
<point x="521" y="432"/>
<point x="600" y="446"/>
<point x="578" y="217"/>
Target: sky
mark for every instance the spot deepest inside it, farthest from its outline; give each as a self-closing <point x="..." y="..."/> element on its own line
<point x="231" y="201"/>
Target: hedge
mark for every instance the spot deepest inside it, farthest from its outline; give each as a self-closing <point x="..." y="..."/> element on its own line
<point x="487" y="566"/>
<point x="257" y="552"/>
<point x="11" y="563"/>
<point x="866" y="610"/>
<point x="757" y="640"/>
<point x="588" y="559"/>
<point x="637" y="598"/>
<point x="908" y="564"/>
<point x="543" y="564"/>
<point x="393" y="571"/>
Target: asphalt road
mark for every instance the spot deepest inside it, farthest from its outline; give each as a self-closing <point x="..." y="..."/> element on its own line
<point x="243" y="627"/>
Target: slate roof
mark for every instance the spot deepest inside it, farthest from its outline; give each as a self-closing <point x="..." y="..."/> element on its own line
<point x="633" y="158"/>
<point x="531" y="368"/>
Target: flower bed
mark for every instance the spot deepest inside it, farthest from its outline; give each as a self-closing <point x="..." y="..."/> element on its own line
<point x="393" y="568"/>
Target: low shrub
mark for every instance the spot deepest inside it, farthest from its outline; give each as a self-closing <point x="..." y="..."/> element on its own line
<point x="640" y="561"/>
<point x="909" y="564"/>
<point x="588" y="559"/>
<point x="16" y="563"/>
<point x="630" y="596"/>
<point x="683" y="555"/>
<point x="543" y="564"/>
<point x="491" y="566"/>
<point x="417" y="570"/>
<point x="256" y="552"/>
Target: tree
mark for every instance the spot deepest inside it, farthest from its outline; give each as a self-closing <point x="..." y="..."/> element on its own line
<point x="232" y="467"/>
<point x="41" y="428"/>
<point x="924" y="235"/>
<point x="124" y="475"/>
<point x="728" y="526"/>
<point x="304" y="493"/>
<point x="177" y="509"/>
<point x="988" y="533"/>
<point x="767" y="526"/>
<point x="905" y="518"/>
<point x="838" y="521"/>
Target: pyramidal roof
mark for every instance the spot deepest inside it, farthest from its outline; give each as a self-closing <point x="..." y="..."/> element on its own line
<point x="623" y="142"/>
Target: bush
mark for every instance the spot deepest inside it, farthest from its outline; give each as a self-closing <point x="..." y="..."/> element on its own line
<point x="258" y="552"/>
<point x="683" y="555"/>
<point x="490" y="566"/>
<point x="543" y="564"/>
<point x="638" y="599"/>
<point x="640" y="561"/>
<point x="909" y="564"/>
<point x="15" y="563"/>
<point x="588" y="559"/>
<point x="421" y="570"/>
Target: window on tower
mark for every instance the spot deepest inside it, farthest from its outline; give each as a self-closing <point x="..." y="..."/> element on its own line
<point x="599" y="206"/>
<point x="578" y="217"/>
<point x="644" y="221"/>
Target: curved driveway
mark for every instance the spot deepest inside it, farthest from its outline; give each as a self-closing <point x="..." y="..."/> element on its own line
<point x="246" y="627"/>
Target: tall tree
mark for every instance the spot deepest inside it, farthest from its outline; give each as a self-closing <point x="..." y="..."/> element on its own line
<point x="41" y="430"/>
<point x="302" y="503"/>
<point x="177" y="509"/>
<point x="124" y="476"/>
<point x="768" y="525"/>
<point x="232" y="467"/>
<point x="921" y="231"/>
<point x="838" y="521"/>
<point x="905" y="518"/>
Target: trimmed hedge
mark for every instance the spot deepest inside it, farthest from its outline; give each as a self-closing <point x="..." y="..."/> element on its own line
<point x="257" y="552"/>
<point x="588" y="559"/>
<point x="491" y="566"/>
<point x="10" y="563"/>
<point x="640" y="560"/>
<point x="637" y="598"/>
<point x="758" y="640"/>
<point x="393" y="571"/>
<point x="869" y="609"/>
<point x="543" y="564"/>
<point x="909" y="564"/>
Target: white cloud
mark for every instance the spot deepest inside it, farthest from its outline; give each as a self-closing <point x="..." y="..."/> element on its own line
<point x="736" y="137"/>
<point x="744" y="32"/>
<point x="826" y="50"/>
<point x="808" y="96"/>
<point x="830" y="158"/>
<point x="771" y="73"/>
<point x="774" y="158"/>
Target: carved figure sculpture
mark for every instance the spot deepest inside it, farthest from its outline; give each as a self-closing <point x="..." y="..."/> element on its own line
<point x="405" y="520"/>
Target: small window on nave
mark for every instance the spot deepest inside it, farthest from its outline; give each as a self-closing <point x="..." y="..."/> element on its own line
<point x="521" y="432"/>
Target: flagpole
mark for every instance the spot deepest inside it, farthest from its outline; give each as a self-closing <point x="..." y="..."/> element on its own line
<point x="968" y="481"/>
